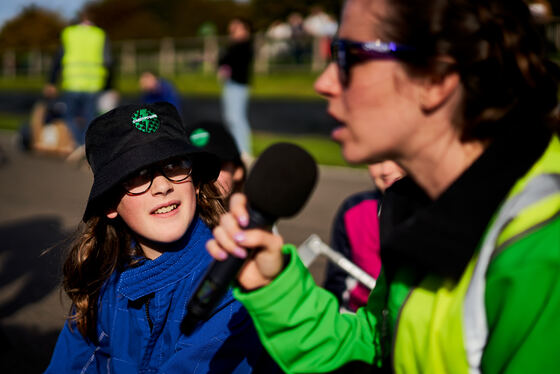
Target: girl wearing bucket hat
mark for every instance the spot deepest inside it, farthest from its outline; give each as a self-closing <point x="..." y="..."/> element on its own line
<point x="140" y="253"/>
<point x="214" y="137"/>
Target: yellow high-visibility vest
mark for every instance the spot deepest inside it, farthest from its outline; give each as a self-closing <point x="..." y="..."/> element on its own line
<point x="82" y="63"/>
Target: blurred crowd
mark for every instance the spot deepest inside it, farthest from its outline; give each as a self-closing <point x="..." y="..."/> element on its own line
<point x="292" y="36"/>
<point x="81" y="85"/>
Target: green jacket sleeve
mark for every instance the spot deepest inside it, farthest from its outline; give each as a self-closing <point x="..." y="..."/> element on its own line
<point x="300" y="325"/>
<point x="523" y="305"/>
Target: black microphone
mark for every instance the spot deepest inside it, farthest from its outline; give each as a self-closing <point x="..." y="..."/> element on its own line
<point x="278" y="185"/>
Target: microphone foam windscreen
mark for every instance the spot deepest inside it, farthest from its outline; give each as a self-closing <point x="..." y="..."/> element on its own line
<point x="281" y="180"/>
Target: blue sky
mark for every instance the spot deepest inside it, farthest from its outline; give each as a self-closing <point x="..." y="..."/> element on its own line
<point x="66" y="8"/>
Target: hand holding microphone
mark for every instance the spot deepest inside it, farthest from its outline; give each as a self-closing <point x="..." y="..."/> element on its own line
<point x="263" y="265"/>
<point x="279" y="185"/>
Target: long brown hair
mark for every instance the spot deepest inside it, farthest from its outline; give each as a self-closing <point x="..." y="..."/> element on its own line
<point x="102" y="246"/>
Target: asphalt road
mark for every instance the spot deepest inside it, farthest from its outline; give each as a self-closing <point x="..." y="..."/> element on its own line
<point x="41" y="201"/>
<point x="285" y="116"/>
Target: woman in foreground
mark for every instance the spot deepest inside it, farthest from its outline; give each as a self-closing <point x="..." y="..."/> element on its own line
<point x="460" y="95"/>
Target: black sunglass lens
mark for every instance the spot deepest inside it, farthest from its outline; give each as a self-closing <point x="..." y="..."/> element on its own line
<point x="338" y="52"/>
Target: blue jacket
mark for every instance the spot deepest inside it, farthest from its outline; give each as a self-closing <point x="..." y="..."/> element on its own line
<point x="140" y="313"/>
<point x="164" y="92"/>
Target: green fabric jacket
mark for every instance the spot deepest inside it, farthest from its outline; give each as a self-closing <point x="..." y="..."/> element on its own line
<point x="501" y="316"/>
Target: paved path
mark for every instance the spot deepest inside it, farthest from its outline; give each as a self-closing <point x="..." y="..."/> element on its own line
<point x="41" y="201"/>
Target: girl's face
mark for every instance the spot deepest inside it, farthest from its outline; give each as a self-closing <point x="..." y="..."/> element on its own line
<point x="378" y="108"/>
<point x="230" y="174"/>
<point x="385" y="173"/>
<point x="161" y="215"/>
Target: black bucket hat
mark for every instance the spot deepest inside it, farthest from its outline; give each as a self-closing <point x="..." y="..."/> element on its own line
<point x="131" y="137"/>
<point x="214" y="137"/>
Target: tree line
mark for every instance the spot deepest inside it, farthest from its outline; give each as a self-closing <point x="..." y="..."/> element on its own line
<point x="37" y="27"/>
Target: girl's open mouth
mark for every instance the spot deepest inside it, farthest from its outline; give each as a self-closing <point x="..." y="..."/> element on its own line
<point x="165" y="209"/>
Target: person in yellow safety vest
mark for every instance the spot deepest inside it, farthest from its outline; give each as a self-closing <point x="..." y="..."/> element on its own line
<point x="83" y="62"/>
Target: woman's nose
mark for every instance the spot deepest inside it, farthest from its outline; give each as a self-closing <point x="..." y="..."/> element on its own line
<point x="328" y="84"/>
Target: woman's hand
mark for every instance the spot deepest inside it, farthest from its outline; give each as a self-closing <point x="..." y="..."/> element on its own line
<point x="230" y="238"/>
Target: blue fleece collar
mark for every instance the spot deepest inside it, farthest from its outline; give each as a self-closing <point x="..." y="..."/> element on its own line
<point x="170" y="267"/>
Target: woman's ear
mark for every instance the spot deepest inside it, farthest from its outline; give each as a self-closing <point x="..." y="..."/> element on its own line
<point x="436" y="91"/>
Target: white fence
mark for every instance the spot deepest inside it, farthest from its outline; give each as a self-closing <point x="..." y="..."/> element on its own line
<point x="170" y="56"/>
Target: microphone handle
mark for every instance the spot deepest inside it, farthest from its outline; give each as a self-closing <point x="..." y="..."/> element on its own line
<point x="216" y="281"/>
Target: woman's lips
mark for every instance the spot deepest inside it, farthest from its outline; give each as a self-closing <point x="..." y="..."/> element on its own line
<point x="336" y="133"/>
<point x="340" y="126"/>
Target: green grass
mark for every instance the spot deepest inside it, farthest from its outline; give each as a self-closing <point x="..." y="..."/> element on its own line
<point x="22" y="84"/>
<point x="276" y="85"/>
<point x="323" y="149"/>
<point x="293" y="85"/>
<point x="297" y="85"/>
<point x="9" y="121"/>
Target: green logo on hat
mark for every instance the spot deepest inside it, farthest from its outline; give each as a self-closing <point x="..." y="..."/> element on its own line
<point x="200" y="137"/>
<point x="145" y="121"/>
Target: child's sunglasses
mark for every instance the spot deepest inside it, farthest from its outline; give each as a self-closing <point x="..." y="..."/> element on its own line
<point x="175" y="170"/>
<point x="347" y="53"/>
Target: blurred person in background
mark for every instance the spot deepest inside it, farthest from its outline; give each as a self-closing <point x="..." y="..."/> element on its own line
<point x="461" y="94"/>
<point x="83" y="62"/>
<point x="355" y="235"/>
<point x="155" y="89"/>
<point x="214" y="137"/>
<point x="298" y="37"/>
<point x="234" y="70"/>
<point x="541" y="10"/>
<point x="278" y="35"/>
<point x="321" y="25"/>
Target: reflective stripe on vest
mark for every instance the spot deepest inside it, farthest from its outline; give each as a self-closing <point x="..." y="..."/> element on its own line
<point x="442" y="327"/>
<point x="82" y="63"/>
<point x="475" y="329"/>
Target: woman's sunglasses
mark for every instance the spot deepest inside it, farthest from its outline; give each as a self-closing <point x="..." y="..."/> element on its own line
<point x="347" y="53"/>
<point x="176" y="171"/>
